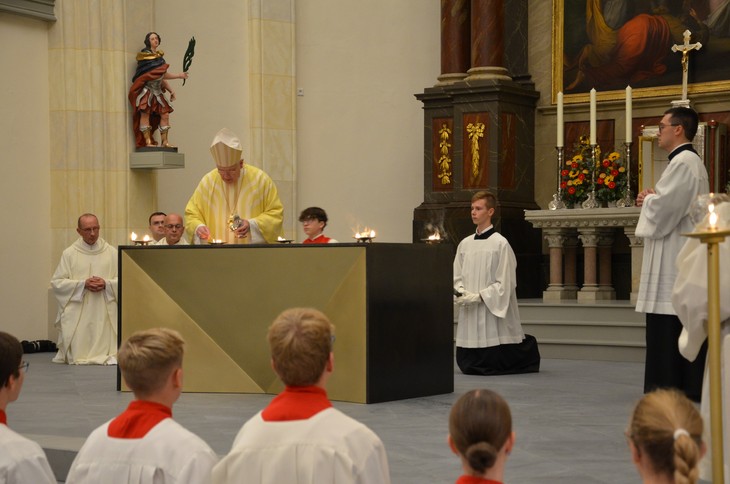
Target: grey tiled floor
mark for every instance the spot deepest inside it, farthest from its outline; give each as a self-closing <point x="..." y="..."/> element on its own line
<point x="569" y="418"/>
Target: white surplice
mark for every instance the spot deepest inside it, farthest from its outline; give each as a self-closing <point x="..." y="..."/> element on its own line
<point x="328" y="448"/>
<point x="22" y="461"/>
<point x="87" y="321"/>
<point x="167" y="454"/>
<point x="487" y="267"/>
<point x="690" y="302"/>
<point x="182" y="241"/>
<point x="664" y="217"/>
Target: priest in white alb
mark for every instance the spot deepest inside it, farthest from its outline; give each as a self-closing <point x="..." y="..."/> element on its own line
<point x="689" y="299"/>
<point x="235" y="203"/>
<point x="489" y="336"/>
<point x="85" y="286"/>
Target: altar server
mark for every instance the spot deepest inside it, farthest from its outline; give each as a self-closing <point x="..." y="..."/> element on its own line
<point x="299" y="437"/>
<point x="664" y="218"/>
<point x="489" y="337"/>
<point x="314" y="220"/>
<point x="144" y="444"/>
<point x="236" y="203"/>
<point x="690" y="301"/>
<point x="85" y="286"/>
<point x="21" y="460"/>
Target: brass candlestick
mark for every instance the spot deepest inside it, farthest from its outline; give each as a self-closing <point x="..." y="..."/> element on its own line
<point x="627" y="200"/>
<point x="557" y="201"/>
<point x="591" y="201"/>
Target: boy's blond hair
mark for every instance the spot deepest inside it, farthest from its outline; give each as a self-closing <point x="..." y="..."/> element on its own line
<point x="147" y="358"/>
<point x="300" y="340"/>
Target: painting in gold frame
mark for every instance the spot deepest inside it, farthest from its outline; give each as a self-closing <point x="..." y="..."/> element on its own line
<point x="610" y="69"/>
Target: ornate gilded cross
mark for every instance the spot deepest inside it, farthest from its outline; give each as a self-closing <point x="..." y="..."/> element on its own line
<point x="684" y="49"/>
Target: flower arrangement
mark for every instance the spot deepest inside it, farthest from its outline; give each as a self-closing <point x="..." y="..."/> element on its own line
<point x="610" y="178"/>
<point x="576" y="176"/>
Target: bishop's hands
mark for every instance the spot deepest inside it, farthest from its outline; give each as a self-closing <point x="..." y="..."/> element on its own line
<point x="467" y="298"/>
<point x="95" y="284"/>
<point x="202" y="232"/>
<point x="243" y="230"/>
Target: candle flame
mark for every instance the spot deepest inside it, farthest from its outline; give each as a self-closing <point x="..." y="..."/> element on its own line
<point x="365" y="234"/>
<point x="146" y="238"/>
<point x="280" y="238"/>
<point x="134" y="236"/>
<point x="435" y="236"/>
<point x="713" y="220"/>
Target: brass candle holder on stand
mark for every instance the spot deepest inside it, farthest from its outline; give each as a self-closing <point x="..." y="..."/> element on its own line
<point x="591" y="201"/>
<point x="627" y="200"/>
<point x="557" y="202"/>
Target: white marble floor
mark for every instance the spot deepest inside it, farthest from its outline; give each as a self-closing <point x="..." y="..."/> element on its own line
<point x="569" y="419"/>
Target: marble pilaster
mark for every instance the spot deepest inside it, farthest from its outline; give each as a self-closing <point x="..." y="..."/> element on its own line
<point x="487" y="40"/>
<point x="455" y="41"/>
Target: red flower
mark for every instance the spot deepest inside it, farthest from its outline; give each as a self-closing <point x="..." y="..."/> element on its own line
<point x="571" y="190"/>
<point x="563" y="184"/>
<point x="564" y="172"/>
<point x="581" y="176"/>
<point x="614" y="172"/>
<point x="606" y="163"/>
<point x="599" y="181"/>
<point x="611" y="185"/>
<point x="574" y="165"/>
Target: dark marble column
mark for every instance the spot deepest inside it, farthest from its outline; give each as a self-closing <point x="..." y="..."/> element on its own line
<point x="487" y="40"/>
<point x="455" y="41"/>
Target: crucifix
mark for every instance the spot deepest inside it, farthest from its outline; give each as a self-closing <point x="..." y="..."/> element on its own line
<point x="685" y="49"/>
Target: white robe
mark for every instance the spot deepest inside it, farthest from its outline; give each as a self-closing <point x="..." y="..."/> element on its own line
<point x="22" y="461"/>
<point x="690" y="302"/>
<point x="167" y="454"/>
<point x="664" y="217"/>
<point x="328" y="448"/>
<point x="87" y="321"/>
<point x="163" y="241"/>
<point x="489" y="268"/>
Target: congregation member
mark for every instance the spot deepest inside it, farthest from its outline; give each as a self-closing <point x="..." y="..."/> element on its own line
<point x="489" y="336"/>
<point x="144" y="444"/>
<point x="157" y="225"/>
<point x="235" y="203"/>
<point x="85" y="286"/>
<point x="665" y="437"/>
<point x="314" y="220"/>
<point x="664" y="218"/>
<point x="480" y="433"/>
<point x="22" y="461"/>
<point x="174" y="231"/>
<point x="689" y="299"/>
<point x="300" y="437"/>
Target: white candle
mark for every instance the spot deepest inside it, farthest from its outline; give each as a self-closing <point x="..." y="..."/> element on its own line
<point x="593" y="116"/>
<point x="628" y="114"/>
<point x="559" y="144"/>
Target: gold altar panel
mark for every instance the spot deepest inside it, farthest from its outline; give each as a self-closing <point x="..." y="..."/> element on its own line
<point x="224" y="298"/>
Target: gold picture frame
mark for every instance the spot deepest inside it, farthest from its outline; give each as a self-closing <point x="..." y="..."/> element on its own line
<point x="716" y="76"/>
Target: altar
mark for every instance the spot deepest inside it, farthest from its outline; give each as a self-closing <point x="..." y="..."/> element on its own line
<point x="391" y="305"/>
<point x="596" y="230"/>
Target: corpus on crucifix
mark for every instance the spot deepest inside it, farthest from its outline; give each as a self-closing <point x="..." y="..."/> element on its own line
<point x="685" y="48"/>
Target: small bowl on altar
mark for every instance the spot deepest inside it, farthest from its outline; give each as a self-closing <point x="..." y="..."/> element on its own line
<point x="282" y="240"/>
<point x="216" y="242"/>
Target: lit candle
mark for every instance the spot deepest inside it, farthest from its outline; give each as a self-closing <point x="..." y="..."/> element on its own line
<point x="713" y="221"/>
<point x="593" y="116"/>
<point x="559" y="144"/>
<point x="134" y="237"/>
<point x="628" y="115"/>
<point x="146" y="238"/>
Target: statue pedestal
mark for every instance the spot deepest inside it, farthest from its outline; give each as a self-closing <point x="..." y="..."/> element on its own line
<point x="159" y="158"/>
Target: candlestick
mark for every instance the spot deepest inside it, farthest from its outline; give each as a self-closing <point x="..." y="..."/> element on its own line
<point x="591" y="201"/>
<point x="627" y="200"/>
<point x="629" y="137"/>
<point x="593" y="116"/>
<point x="557" y="202"/>
<point x="559" y="144"/>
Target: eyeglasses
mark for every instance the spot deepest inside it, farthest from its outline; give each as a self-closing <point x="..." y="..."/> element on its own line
<point x="175" y="226"/>
<point x="24" y="366"/>
<point x="662" y="126"/>
<point x="158" y="222"/>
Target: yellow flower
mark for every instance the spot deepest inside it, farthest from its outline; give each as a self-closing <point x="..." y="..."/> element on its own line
<point x="621" y="169"/>
<point x="578" y="158"/>
<point x="573" y="173"/>
<point x="602" y="175"/>
<point x="609" y="178"/>
<point x="569" y="182"/>
<point x="585" y="171"/>
<point x="614" y="156"/>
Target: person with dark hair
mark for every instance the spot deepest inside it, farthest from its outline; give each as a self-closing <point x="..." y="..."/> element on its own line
<point x="299" y="437"/>
<point x="157" y="225"/>
<point x="150" y="106"/>
<point x="314" y="220"/>
<point x="665" y="437"/>
<point x="480" y="433"/>
<point x="85" y="286"/>
<point x="21" y="460"/>
<point x="144" y="444"/>
<point x="664" y="218"/>
<point x="489" y="336"/>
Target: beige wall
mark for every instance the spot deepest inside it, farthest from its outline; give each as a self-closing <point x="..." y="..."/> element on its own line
<point x="25" y="181"/>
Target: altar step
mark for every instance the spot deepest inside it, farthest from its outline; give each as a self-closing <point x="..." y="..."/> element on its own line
<point x="607" y="330"/>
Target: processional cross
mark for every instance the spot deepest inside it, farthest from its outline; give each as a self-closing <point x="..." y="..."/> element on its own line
<point x="685" y="49"/>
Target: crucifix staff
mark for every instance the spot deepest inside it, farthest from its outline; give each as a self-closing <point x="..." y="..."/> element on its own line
<point x="685" y="49"/>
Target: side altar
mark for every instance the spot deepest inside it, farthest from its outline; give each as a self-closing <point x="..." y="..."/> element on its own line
<point x="595" y="230"/>
<point x="391" y="305"/>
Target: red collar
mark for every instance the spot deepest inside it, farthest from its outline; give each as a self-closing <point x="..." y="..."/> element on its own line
<point x="475" y="480"/>
<point x="139" y="418"/>
<point x="296" y="403"/>
<point x="320" y="239"/>
<point x="3" y="417"/>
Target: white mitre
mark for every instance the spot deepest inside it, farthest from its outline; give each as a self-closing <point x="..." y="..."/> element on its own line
<point x="226" y="148"/>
